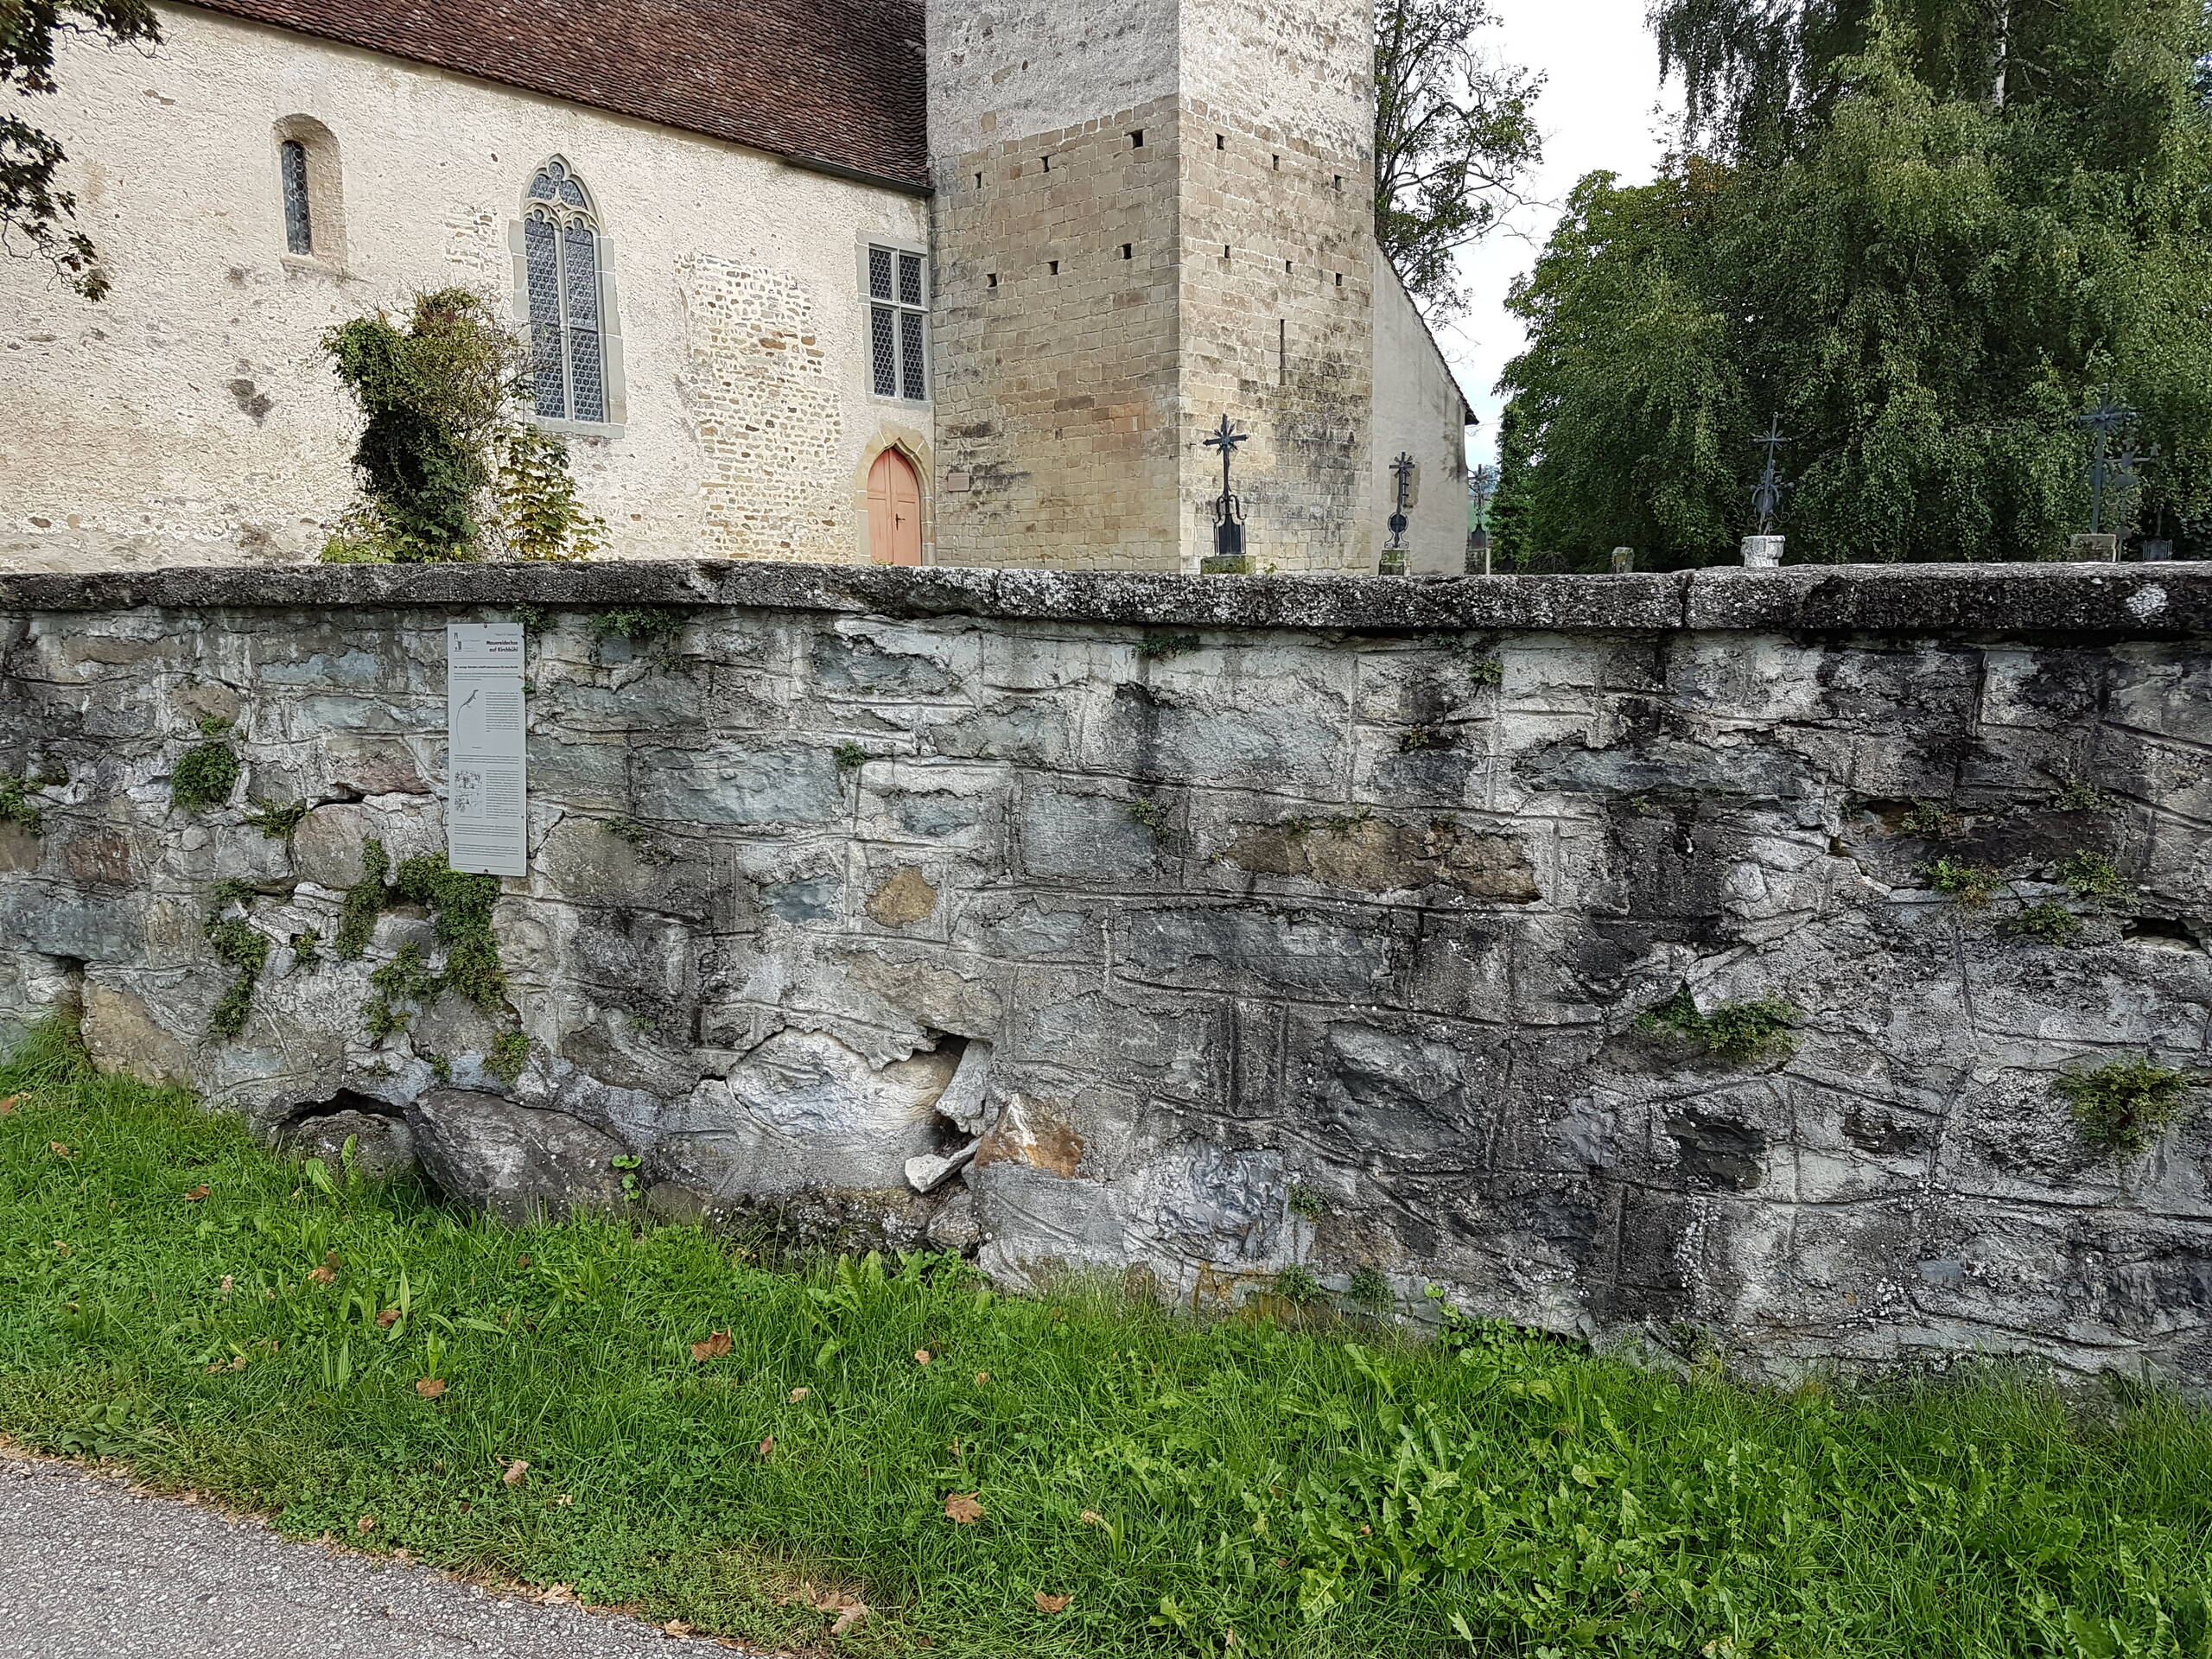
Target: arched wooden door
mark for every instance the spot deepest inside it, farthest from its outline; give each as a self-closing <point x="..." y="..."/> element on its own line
<point x="894" y="510"/>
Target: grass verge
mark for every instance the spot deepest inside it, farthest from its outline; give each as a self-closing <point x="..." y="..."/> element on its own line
<point x="335" y="1353"/>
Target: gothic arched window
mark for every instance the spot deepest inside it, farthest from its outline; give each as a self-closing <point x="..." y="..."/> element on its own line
<point x="561" y="263"/>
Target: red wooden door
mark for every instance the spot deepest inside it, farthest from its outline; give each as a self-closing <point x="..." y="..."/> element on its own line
<point x="894" y="510"/>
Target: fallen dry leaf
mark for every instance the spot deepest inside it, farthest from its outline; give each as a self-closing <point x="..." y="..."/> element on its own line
<point x="430" y="1386"/>
<point x="237" y="1364"/>
<point x="565" y="1593"/>
<point x="767" y="1446"/>
<point x="799" y="1394"/>
<point x="61" y="1246"/>
<point x="226" y="1284"/>
<point x="59" y="1150"/>
<point x="677" y="1627"/>
<point x="197" y="1193"/>
<point x="848" y="1618"/>
<point x="921" y="1355"/>
<point x="8" y="1105"/>
<point x="522" y="1261"/>
<point x="1051" y="1603"/>
<point x="517" y="1472"/>
<point x="321" y="1275"/>
<point x="963" y="1507"/>
<point x="712" y="1348"/>
<point x="981" y="1377"/>
<point x="386" y="1319"/>
<point x="1091" y="1518"/>
<point x="366" y="1523"/>
<point x="567" y="1500"/>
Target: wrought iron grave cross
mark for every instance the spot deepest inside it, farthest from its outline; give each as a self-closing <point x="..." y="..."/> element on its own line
<point x="1403" y="470"/>
<point x="1228" y="511"/>
<point x="1766" y="494"/>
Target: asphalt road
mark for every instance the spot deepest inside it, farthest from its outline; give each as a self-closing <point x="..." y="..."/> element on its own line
<point x="90" y="1569"/>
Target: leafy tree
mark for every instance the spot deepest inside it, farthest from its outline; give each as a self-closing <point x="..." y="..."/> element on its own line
<point x="1453" y="140"/>
<point x="31" y="208"/>
<point x="1926" y="234"/>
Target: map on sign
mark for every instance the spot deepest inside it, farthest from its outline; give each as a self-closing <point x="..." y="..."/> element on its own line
<point x="487" y="783"/>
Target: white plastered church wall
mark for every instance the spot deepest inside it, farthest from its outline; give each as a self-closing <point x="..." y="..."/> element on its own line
<point x="191" y="409"/>
<point x="1419" y="411"/>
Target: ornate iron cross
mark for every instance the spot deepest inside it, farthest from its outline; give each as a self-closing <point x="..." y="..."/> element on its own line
<point x="1766" y="494"/>
<point x="1228" y="511"/>
<point x="2107" y="418"/>
<point x="1403" y="469"/>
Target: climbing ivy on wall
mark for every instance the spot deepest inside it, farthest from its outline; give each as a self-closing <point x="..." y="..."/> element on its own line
<point x="446" y="472"/>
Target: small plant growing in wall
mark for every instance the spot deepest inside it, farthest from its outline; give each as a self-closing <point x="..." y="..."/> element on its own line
<point x="239" y="946"/>
<point x="2092" y="876"/>
<point x="2119" y="1109"/>
<point x="1309" y="1202"/>
<point x="1150" y="814"/>
<point x="1159" y="646"/>
<point x="1485" y="670"/>
<point x="1297" y="1286"/>
<point x="510" y="1054"/>
<point x="849" y="756"/>
<point x="16" y="808"/>
<point x="1370" y="1292"/>
<point x="2048" y="923"/>
<point x="2080" y="795"/>
<point x="1971" y="886"/>
<point x="1735" y="1031"/>
<point x="1935" y="821"/>
<point x="205" y="774"/>
<point x="277" y="822"/>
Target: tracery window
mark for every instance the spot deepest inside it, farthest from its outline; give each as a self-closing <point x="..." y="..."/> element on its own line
<point x="560" y="262"/>
<point x="299" y="222"/>
<point x="898" y="316"/>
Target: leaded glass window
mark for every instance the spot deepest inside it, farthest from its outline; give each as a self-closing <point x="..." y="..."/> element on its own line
<point x="898" y="294"/>
<point x="560" y="244"/>
<point x="299" y="225"/>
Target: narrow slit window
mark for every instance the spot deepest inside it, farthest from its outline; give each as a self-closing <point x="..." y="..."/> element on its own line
<point x="1136" y="139"/>
<point x="1054" y="266"/>
<point x="898" y="322"/>
<point x="1282" y="350"/>
<point x="1128" y="251"/>
<point x="560" y="272"/>
<point x="299" y="222"/>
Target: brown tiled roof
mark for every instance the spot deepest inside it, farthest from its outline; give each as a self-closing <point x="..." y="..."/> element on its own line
<point x="833" y="83"/>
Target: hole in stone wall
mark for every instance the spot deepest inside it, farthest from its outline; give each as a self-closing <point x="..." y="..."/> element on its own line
<point x="1340" y="279"/>
<point x="979" y="181"/>
<point x="992" y="279"/>
<point x="1220" y="142"/>
<point x="2162" y="931"/>
<point x="345" y="1100"/>
<point x="1136" y="139"/>
<point x="1128" y="251"/>
<point x="1275" y="162"/>
<point x="1048" y="164"/>
<point x="1053" y="265"/>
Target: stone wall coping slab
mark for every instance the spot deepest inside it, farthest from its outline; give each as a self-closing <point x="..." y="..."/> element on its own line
<point x="2168" y="600"/>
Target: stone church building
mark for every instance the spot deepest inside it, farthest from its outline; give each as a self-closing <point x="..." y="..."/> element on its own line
<point x="966" y="283"/>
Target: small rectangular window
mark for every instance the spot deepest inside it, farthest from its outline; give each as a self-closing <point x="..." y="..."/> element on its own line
<point x="898" y="342"/>
<point x="1128" y="251"/>
<point x="991" y="279"/>
<point x="299" y="227"/>
<point x="1136" y="139"/>
<point x="1219" y="141"/>
<point x="1054" y="266"/>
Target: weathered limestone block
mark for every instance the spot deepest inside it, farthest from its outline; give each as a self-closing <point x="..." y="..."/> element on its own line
<point x="514" y="1160"/>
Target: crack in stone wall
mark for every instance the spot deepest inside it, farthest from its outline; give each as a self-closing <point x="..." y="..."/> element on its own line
<point x="932" y="872"/>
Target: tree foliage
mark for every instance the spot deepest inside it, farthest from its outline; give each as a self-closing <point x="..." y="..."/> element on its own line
<point x="34" y="211"/>
<point x="1453" y="140"/>
<point x="433" y="390"/>
<point x="1925" y="234"/>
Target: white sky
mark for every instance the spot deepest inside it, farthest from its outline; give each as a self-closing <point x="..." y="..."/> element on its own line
<point x="1598" y="111"/>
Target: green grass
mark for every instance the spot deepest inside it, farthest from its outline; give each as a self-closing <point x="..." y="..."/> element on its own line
<point x="1347" y="1493"/>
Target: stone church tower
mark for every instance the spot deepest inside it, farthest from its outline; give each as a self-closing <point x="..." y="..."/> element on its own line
<point x="1151" y="214"/>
